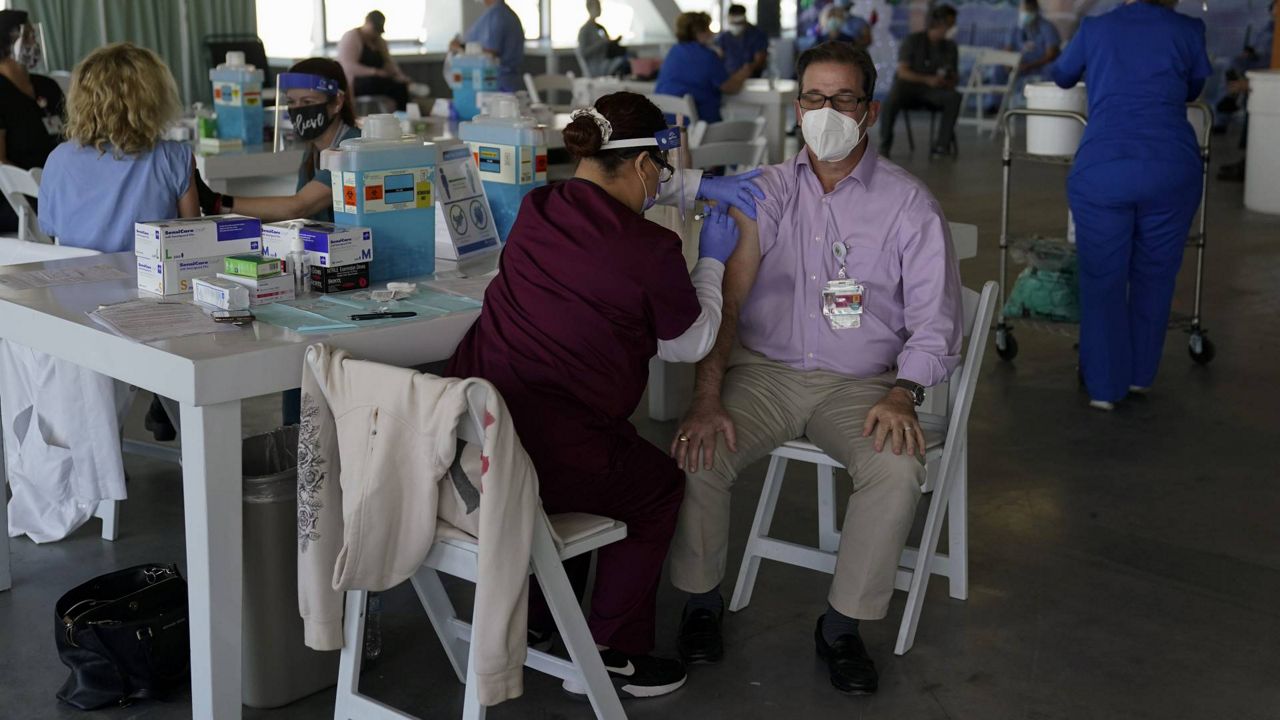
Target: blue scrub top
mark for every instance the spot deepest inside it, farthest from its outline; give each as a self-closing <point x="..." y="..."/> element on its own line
<point x="91" y="199"/>
<point x="854" y="26"/>
<point x="1034" y="40"/>
<point x="1142" y="63"/>
<point x="499" y="29"/>
<point x="741" y="49"/>
<point x="692" y="68"/>
<point x="322" y="176"/>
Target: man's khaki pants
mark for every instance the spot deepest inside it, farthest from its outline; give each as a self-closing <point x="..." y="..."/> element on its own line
<point x="770" y="404"/>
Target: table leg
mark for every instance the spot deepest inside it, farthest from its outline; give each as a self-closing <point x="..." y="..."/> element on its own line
<point x="211" y="486"/>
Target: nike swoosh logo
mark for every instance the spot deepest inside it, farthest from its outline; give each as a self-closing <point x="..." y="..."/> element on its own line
<point x="626" y="670"/>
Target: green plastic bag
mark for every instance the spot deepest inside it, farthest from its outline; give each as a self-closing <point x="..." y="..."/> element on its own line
<point x="1041" y="294"/>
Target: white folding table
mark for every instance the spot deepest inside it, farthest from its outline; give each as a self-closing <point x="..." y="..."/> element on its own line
<point x="208" y="375"/>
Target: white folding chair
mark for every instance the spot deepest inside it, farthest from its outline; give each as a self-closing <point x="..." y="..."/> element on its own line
<point x="676" y="105"/>
<point x="725" y="154"/>
<point x="540" y="88"/>
<point x="979" y="89"/>
<point x="579" y="533"/>
<point x="946" y="438"/>
<point x="703" y="132"/>
<point x="17" y="185"/>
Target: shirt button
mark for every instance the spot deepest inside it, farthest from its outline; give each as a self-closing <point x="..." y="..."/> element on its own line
<point x="810" y="356"/>
<point x="813" y="315"/>
<point x="826" y="200"/>
<point x="819" y="238"/>
<point x="813" y="277"/>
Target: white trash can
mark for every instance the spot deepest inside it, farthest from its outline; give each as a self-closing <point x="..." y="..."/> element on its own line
<point x="1262" y="160"/>
<point x="1054" y="136"/>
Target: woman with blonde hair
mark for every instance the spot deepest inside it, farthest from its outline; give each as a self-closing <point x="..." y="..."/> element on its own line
<point x="115" y="169"/>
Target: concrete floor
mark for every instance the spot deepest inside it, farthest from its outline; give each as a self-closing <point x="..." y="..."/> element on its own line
<point x="1123" y="565"/>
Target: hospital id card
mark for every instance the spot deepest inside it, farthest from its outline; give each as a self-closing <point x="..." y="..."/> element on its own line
<point x="842" y="303"/>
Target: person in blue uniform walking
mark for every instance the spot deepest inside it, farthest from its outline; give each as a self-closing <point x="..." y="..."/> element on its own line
<point x="499" y="31"/>
<point x="1135" y="186"/>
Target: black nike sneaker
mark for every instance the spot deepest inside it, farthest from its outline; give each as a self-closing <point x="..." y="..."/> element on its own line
<point x="637" y="676"/>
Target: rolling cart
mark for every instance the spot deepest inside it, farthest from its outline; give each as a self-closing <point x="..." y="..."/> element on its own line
<point x="1199" y="346"/>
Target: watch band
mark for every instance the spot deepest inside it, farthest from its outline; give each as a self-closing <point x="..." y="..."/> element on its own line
<point x="916" y="390"/>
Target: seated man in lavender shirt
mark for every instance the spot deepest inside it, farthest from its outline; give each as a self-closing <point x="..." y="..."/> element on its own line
<point x="782" y="369"/>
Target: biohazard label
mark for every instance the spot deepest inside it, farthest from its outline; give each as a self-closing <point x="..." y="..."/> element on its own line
<point x="388" y="190"/>
<point x="510" y="164"/>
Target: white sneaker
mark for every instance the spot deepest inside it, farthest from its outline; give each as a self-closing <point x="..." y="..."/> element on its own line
<point x="1139" y="389"/>
<point x="1102" y="405"/>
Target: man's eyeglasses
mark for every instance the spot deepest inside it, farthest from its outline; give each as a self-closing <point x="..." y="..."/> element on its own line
<point x="842" y="102"/>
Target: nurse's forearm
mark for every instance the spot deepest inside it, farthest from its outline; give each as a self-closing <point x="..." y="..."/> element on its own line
<point x="693" y="344"/>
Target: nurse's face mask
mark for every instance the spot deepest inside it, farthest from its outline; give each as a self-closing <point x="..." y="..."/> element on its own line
<point x="662" y="152"/>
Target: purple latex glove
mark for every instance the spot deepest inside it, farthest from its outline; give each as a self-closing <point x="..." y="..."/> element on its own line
<point x="719" y="234"/>
<point x="736" y="190"/>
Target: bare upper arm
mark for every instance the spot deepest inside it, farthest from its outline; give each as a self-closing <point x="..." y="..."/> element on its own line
<point x="189" y="203"/>
<point x="744" y="263"/>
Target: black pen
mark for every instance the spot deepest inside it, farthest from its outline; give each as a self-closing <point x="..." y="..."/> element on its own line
<point x="384" y="315"/>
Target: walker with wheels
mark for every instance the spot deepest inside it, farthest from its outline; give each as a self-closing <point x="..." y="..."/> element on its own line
<point x="1199" y="346"/>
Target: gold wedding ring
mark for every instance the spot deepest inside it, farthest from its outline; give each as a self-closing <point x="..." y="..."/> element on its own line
<point x="684" y="438"/>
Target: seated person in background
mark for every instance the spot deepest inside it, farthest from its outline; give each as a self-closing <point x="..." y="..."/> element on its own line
<point x="1256" y="55"/>
<point x="1036" y="38"/>
<point x="831" y="27"/>
<point x="321" y="112"/>
<point x="928" y="69"/>
<point x="367" y="61"/>
<point x="31" y="106"/>
<point x="589" y="291"/>
<point x="693" y="68"/>
<point x="604" y="55"/>
<point x="742" y="43"/>
<point x="780" y="369"/>
<point x="114" y="169"/>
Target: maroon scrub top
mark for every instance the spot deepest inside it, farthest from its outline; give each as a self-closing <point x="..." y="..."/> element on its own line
<point x="586" y="288"/>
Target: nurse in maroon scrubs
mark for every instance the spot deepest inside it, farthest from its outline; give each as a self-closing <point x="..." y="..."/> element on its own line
<point x="588" y="292"/>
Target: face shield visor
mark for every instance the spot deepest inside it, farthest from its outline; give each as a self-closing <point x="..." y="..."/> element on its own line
<point x="666" y="150"/>
<point x="298" y="81"/>
<point x="27" y="47"/>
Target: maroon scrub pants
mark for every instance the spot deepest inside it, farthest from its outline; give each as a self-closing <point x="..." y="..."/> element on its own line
<point x="643" y="490"/>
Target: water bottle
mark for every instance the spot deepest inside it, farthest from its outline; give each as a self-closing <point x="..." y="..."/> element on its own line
<point x="373" y="627"/>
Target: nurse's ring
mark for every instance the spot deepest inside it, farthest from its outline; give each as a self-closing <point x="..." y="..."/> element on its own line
<point x="684" y="438"/>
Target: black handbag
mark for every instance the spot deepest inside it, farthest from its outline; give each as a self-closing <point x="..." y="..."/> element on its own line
<point x="124" y="635"/>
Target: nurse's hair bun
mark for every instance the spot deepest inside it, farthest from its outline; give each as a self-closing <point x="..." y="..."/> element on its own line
<point x="617" y="116"/>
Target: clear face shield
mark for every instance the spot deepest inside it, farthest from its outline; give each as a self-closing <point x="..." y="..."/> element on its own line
<point x="28" y="48"/>
<point x="301" y="119"/>
<point x="667" y="153"/>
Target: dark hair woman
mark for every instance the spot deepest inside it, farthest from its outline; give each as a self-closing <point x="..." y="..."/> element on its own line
<point x="589" y="291"/>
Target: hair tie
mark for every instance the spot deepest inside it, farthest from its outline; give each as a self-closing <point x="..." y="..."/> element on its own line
<point x="606" y="129"/>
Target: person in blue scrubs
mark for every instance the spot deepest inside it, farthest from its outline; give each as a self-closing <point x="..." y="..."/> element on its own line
<point x="693" y="68"/>
<point x="501" y="35"/>
<point x="1036" y="38"/>
<point x="1135" y="186"/>
<point x="742" y="43"/>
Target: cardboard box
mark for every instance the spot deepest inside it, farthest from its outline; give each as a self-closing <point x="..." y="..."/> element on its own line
<point x="175" y="277"/>
<point x="326" y="244"/>
<point x="222" y="294"/>
<point x="254" y="266"/>
<point x="264" y="290"/>
<point x="215" y="236"/>
<point x="340" y="279"/>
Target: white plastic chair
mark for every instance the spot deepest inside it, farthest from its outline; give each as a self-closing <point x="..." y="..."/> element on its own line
<point x="979" y="89"/>
<point x="540" y="87"/>
<point x="676" y="105"/>
<point x="703" y="132"/>
<point x="946" y="438"/>
<point x="579" y="533"/>
<point x="17" y="185"/>
<point x="731" y="154"/>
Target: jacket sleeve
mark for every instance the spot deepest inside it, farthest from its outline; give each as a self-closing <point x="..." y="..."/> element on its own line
<point x="320" y="527"/>
<point x="508" y="508"/>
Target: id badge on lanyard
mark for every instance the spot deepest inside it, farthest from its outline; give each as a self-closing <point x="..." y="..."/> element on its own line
<point x="842" y="298"/>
